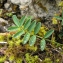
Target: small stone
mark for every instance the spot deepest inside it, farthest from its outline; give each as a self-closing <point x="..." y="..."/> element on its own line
<point x="3" y="21"/>
<point x="6" y="5"/>
<point x="17" y="2"/>
<point x="6" y="62"/>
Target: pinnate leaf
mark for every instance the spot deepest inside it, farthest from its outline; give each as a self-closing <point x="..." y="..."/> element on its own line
<point x="16" y="20"/>
<point x="22" y="20"/>
<point x="13" y="28"/>
<point x="32" y="26"/>
<point x="27" y="24"/>
<point x="49" y="33"/>
<point x="37" y="28"/>
<point x="32" y="40"/>
<point x="26" y="38"/>
<point x="58" y="17"/>
<point x="42" y="44"/>
<point x="19" y="34"/>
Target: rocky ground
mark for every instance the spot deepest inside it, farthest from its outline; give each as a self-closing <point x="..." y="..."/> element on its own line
<point x="40" y="10"/>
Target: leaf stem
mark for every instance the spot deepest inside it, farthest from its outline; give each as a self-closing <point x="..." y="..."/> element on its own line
<point x="39" y="37"/>
<point x="44" y="38"/>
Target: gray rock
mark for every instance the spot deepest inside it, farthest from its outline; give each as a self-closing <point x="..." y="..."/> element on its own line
<point x="21" y="2"/>
<point x="3" y="28"/>
<point x="17" y="2"/>
<point x="6" y="5"/>
<point x="6" y="62"/>
<point x="3" y="21"/>
<point x="28" y="7"/>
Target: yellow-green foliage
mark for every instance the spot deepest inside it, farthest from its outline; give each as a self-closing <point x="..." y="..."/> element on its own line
<point x="60" y="4"/>
<point x="18" y="42"/>
<point x="16" y="53"/>
<point x="11" y="57"/>
<point x="32" y="48"/>
<point x="1" y="38"/>
<point x="31" y="59"/>
<point x="9" y="14"/>
<point x="57" y="60"/>
<point x="42" y="31"/>
<point x="54" y="20"/>
<point x="2" y="59"/>
<point x="14" y="48"/>
<point x="18" y="60"/>
<point x="47" y="60"/>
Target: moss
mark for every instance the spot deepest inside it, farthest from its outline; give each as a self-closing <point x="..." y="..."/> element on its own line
<point x="47" y="60"/>
<point x="42" y="31"/>
<point x="31" y="59"/>
<point x="54" y="20"/>
<point x="1" y="38"/>
<point x="57" y="60"/>
<point x="11" y="57"/>
<point x="9" y="14"/>
<point x="2" y="59"/>
<point x="18" y="60"/>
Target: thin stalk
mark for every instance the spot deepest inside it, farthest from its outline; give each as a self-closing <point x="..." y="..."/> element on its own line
<point x="44" y="38"/>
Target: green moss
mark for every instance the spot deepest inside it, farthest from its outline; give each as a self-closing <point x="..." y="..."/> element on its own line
<point x="57" y="60"/>
<point x="9" y="14"/>
<point x="31" y="59"/>
<point x="11" y="43"/>
<point x="47" y="60"/>
<point x="11" y="57"/>
<point x="2" y="59"/>
<point x="1" y="38"/>
<point x="18" y="60"/>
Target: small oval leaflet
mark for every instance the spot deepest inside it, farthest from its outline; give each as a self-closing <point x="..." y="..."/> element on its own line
<point x="19" y="34"/>
<point x="26" y="38"/>
<point x="27" y="24"/>
<point x="49" y="33"/>
<point x="22" y="20"/>
<point x="58" y="17"/>
<point x="32" y="26"/>
<point x="13" y="28"/>
<point x="32" y="40"/>
<point x="16" y="20"/>
<point x="37" y="28"/>
<point x="42" y="44"/>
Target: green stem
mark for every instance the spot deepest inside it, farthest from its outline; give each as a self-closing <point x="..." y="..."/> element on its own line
<point x="39" y="37"/>
<point x="44" y="38"/>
